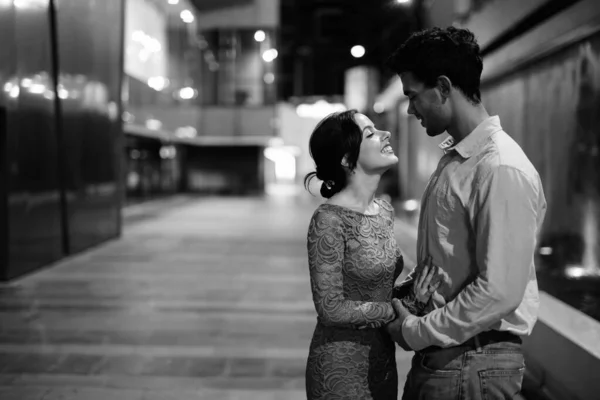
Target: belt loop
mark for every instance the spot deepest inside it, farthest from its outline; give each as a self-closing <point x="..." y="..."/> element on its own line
<point x="477" y="344"/>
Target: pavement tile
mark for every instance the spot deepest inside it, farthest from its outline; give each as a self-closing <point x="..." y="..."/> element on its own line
<point x="29" y="363"/>
<point x="287" y="368"/>
<point x="78" y="393"/>
<point x="78" y="364"/>
<point x="247" y="367"/>
<point x="20" y="393"/>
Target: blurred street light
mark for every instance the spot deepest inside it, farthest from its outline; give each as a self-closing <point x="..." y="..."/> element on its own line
<point x="411" y="205"/>
<point x="187" y="16"/>
<point x="269" y="78"/>
<point x="260" y="36"/>
<point x="187" y="93"/>
<point x="403" y="1"/>
<point x="318" y="110"/>
<point x="14" y="92"/>
<point x="158" y="83"/>
<point x="270" y="55"/>
<point x="188" y="132"/>
<point x="173" y="2"/>
<point x="153" y="124"/>
<point x="168" y="152"/>
<point x="357" y="51"/>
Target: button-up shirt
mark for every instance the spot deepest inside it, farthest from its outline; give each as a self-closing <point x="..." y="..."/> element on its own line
<point x="480" y="217"/>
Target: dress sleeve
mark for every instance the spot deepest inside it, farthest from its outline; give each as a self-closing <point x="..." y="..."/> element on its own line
<point x="325" y="259"/>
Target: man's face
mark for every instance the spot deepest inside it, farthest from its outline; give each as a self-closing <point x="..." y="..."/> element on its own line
<point x="426" y="104"/>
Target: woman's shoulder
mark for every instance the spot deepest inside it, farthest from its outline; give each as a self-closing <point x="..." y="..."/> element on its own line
<point x="334" y="215"/>
<point x="327" y="219"/>
<point x="385" y="204"/>
<point x="326" y="212"/>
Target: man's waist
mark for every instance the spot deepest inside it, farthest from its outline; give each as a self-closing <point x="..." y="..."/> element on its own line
<point x="481" y="340"/>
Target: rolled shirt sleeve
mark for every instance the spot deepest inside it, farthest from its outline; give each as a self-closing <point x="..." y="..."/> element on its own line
<point x="503" y="216"/>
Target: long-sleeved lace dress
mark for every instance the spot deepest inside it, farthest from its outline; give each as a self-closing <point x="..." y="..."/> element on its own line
<point x="354" y="261"/>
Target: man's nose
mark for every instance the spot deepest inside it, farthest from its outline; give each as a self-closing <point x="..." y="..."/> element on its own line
<point x="411" y="109"/>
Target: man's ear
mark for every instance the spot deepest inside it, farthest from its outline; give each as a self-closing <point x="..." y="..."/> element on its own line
<point x="444" y="85"/>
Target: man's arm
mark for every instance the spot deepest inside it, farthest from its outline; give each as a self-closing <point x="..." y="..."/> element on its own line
<point x="504" y="218"/>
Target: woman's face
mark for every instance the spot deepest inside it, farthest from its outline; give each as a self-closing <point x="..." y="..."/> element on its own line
<point x="376" y="154"/>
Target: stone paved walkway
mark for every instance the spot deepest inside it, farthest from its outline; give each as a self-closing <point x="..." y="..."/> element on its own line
<point x="207" y="299"/>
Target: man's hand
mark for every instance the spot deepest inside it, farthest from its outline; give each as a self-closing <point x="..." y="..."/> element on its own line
<point x="394" y="328"/>
<point x="428" y="278"/>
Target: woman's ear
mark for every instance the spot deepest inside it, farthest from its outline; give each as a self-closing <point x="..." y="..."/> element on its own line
<point x="345" y="162"/>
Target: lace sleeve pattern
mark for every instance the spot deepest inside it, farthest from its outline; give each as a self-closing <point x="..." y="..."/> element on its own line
<point x="326" y="245"/>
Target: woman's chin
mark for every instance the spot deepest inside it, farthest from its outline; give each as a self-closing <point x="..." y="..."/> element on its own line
<point x="391" y="159"/>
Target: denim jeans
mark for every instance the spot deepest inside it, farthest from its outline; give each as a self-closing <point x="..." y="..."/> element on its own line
<point x="467" y="372"/>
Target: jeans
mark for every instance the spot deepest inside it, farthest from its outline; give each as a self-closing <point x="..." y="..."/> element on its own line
<point x="467" y="372"/>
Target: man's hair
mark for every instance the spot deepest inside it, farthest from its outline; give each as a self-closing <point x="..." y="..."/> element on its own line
<point x="452" y="52"/>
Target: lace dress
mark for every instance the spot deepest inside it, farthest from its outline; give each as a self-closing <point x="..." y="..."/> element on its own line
<point x="354" y="261"/>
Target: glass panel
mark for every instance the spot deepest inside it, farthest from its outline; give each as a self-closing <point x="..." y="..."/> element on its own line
<point x="34" y="219"/>
<point x="90" y="92"/>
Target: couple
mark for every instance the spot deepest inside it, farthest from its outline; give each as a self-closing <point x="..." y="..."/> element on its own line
<point x="473" y="294"/>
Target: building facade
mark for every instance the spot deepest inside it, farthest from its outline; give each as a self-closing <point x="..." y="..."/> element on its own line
<point x="61" y="132"/>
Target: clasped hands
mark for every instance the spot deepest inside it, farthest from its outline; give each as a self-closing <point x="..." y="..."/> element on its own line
<point x="425" y="283"/>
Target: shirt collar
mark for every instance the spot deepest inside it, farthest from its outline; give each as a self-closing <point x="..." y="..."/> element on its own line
<point x="474" y="140"/>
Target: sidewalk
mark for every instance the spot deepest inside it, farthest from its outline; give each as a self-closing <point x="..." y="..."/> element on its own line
<point x="200" y="299"/>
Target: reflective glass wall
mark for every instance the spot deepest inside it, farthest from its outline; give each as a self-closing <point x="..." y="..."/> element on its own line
<point x="90" y="65"/>
<point x="60" y="70"/>
<point x="31" y="152"/>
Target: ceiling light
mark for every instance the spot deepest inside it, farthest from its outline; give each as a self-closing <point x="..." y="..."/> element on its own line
<point x="357" y="51"/>
<point x="187" y="16"/>
<point x="260" y="36"/>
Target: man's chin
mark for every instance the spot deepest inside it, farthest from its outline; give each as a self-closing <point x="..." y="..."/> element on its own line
<point x="434" y="132"/>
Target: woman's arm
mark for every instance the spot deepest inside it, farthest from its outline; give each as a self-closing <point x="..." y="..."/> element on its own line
<point x="325" y="259"/>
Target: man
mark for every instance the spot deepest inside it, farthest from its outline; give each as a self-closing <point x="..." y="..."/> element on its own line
<point x="480" y="216"/>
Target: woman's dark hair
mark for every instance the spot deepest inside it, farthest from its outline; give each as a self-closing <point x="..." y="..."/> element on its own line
<point x="434" y="52"/>
<point x="334" y="137"/>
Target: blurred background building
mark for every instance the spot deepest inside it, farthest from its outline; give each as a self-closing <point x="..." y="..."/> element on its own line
<point x="105" y="104"/>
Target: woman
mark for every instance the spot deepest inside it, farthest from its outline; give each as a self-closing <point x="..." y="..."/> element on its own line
<point x="354" y="261"/>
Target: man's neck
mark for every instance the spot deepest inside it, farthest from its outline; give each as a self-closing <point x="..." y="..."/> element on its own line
<point x="466" y="120"/>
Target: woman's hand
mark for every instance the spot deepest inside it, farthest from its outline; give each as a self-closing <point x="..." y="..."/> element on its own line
<point x="427" y="281"/>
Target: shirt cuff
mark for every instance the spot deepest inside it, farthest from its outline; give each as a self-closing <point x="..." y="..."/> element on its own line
<point x="410" y="333"/>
